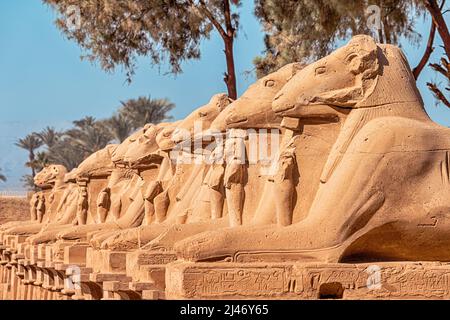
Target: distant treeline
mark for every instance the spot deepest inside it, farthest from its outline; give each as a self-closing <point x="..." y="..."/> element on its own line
<point x="88" y="135"/>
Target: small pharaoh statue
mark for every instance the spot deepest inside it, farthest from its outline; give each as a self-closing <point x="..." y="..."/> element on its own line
<point x="40" y="208"/>
<point x="33" y="206"/>
<point x="284" y="180"/>
<point x="215" y="183"/>
<point x="83" y="206"/>
<point x="103" y="204"/>
<point x="234" y="175"/>
<point x="153" y="189"/>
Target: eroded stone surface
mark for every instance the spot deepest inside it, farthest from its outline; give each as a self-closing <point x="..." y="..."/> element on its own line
<point x="360" y="174"/>
<point x="409" y="280"/>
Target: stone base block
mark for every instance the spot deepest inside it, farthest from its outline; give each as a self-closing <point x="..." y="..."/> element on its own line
<point x="145" y="257"/>
<point x="41" y="250"/>
<point x="153" y="295"/>
<point x="155" y="274"/>
<point x="142" y="286"/>
<point x="381" y="280"/>
<point x="12" y="241"/>
<point x="100" y="277"/>
<point x="75" y="254"/>
<point x="106" y="261"/>
<point x="56" y="251"/>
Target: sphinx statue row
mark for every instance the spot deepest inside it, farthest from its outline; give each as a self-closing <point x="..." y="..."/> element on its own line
<point x="360" y="174"/>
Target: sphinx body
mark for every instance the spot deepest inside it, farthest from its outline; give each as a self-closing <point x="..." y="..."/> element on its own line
<point x="244" y="185"/>
<point x="221" y="188"/>
<point x="37" y="202"/>
<point x="66" y="218"/>
<point x="70" y="207"/>
<point x="46" y="204"/>
<point x="154" y="171"/>
<point x="111" y="191"/>
<point x="382" y="190"/>
<point x="362" y="174"/>
<point x="124" y="202"/>
<point x="68" y="224"/>
<point x="171" y="199"/>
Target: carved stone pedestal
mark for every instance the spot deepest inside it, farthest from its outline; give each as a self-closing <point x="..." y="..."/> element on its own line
<point x="129" y="275"/>
<point x="148" y="269"/>
<point x="395" y="280"/>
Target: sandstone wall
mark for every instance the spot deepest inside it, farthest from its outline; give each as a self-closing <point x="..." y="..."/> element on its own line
<point x="13" y="209"/>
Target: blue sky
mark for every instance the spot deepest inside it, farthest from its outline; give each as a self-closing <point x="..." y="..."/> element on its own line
<point x="44" y="82"/>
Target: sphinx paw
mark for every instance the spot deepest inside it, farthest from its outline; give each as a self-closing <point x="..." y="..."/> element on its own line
<point x="206" y="246"/>
<point x="119" y="243"/>
<point x="110" y="242"/>
<point x="31" y="240"/>
<point x="95" y="243"/>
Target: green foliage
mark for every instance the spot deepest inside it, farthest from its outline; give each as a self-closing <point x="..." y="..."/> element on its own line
<point x="40" y="162"/>
<point x="30" y="143"/>
<point x="136" y="113"/>
<point x="28" y="182"/>
<point x="88" y="136"/>
<point x="117" y="32"/>
<point x="49" y="136"/>
<point x="120" y="127"/>
<point x="145" y="110"/>
<point x="306" y="30"/>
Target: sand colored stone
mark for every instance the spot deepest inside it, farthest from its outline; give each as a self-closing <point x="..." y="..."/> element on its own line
<point x="387" y="147"/>
<point x="14" y="208"/>
<point x="352" y="205"/>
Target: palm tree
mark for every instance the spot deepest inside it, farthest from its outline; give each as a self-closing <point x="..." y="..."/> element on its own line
<point x="66" y="153"/>
<point x="40" y="162"/>
<point x="30" y="143"/>
<point x="28" y="182"/>
<point x="2" y="177"/>
<point x="89" y="135"/>
<point x="71" y="147"/>
<point x="120" y="127"/>
<point x="146" y="110"/>
<point x="49" y="136"/>
<point x="85" y="122"/>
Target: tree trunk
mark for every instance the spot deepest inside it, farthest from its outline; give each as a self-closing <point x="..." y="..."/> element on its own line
<point x="387" y="30"/>
<point x="32" y="158"/>
<point x="227" y="35"/>
<point x="230" y="75"/>
<point x="33" y="170"/>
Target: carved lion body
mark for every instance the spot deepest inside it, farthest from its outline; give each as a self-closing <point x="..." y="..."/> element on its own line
<point x="383" y="190"/>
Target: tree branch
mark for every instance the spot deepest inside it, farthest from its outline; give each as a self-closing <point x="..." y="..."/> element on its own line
<point x="428" y="51"/>
<point x="439" y="95"/>
<point x="440" y="23"/>
<point x="439" y="69"/>
<point x="210" y="16"/>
